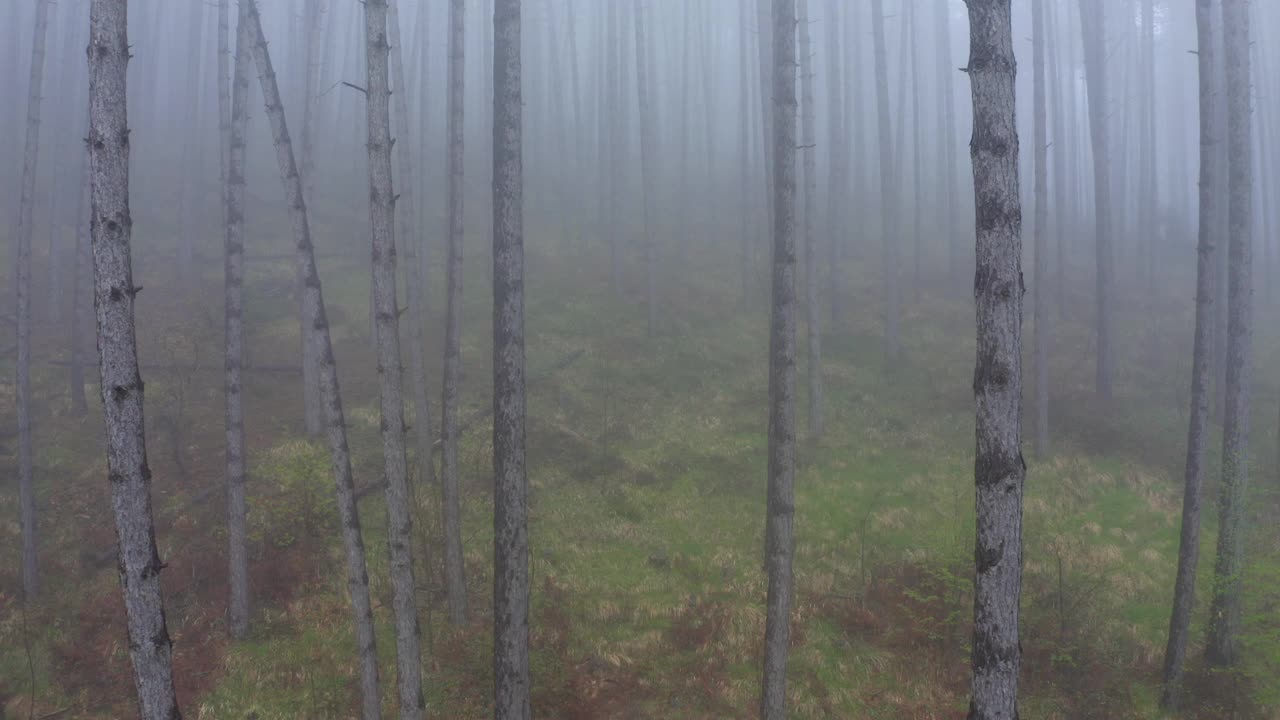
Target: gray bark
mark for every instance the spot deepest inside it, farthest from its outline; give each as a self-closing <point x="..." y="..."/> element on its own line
<point x="1225" y="613"/>
<point x="382" y="218"/>
<point x="411" y="239"/>
<point x="813" y="314"/>
<point x="188" y="201"/>
<point x="455" y="572"/>
<point x="1184" y="589"/>
<point x="233" y="327"/>
<point x="139" y="563"/>
<point x="511" y="483"/>
<point x="1093" y="29"/>
<point x="837" y="154"/>
<point x="999" y="470"/>
<point x="26" y="488"/>
<point x="317" y="324"/>
<point x="955" y="240"/>
<point x="312" y="411"/>
<point x="780" y="511"/>
<point x="1041" y="280"/>
<point x="888" y="186"/>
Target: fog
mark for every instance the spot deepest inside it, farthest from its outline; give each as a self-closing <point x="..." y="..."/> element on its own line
<point x="705" y="331"/>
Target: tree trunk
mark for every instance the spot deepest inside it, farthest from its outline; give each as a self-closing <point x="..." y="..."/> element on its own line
<point x="1041" y="280"/>
<point x="946" y="70"/>
<point x="382" y="219"/>
<point x="234" y="188"/>
<point x="837" y="157"/>
<point x="81" y="294"/>
<point x="888" y="186"/>
<point x="312" y="411"/>
<point x="139" y="563"/>
<point x="999" y="470"/>
<point x="511" y="484"/>
<point x="646" y="166"/>
<point x="455" y="574"/>
<point x="780" y="511"/>
<point x="192" y="192"/>
<point x="1093" y="29"/>
<point x="411" y="239"/>
<point x="813" y="320"/>
<point x="1184" y="590"/>
<point x="318" y="336"/>
<point x="1225" y="614"/>
<point x="26" y="488"/>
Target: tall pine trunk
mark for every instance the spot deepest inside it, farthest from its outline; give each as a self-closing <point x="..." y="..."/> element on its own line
<point x="139" y="562"/>
<point x="233" y="326"/>
<point x="382" y="219"/>
<point x="1093" y="30"/>
<point x="999" y="470"/>
<point x="646" y="166"/>
<point x="26" y="487"/>
<point x="454" y="572"/>
<point x="511" y="483"/>
<point x="813" y="313"/>
<point x="312" y="412"/>
<point x="780" y="510"/>
<point x="1225" y="613"/>
<point x="888" y="187"/>
<point x="317" y="324"/>
<point x="1041" y="279"/>
<point x="1184" y="587"/>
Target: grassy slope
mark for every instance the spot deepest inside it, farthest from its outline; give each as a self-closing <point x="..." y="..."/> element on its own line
<point x="647" y="470"/>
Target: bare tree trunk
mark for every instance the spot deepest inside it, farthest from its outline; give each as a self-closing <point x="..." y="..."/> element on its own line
<point x="813" y="319"/>
<point x="511" y="484"/>
<point x="1063" y="119"/>
<point x="1093" y="29"/>
<point x="946" y="70"/>
<point x="837" y="156"/>
<point x="26" y="488"/>
<point x="122" y="391"/>
<point x="191" y="194"/>
<point x="780" y="511"/>
<point x="1041" y="280"/>
<point x="312" y="410"/>
<point x="455" y="573"/>
<point x="646" y="166"/>
<point x="999" y="470"/>
<point x="318" y="336"/>
<point x="1225" y="614"/>
<point x="81" y="293"/>
<point x="382" y="217"/>
<point x="1189" y="543"/>
<point x="888" y="187"/>
<point x="612" y="87"/>
<point x="744" y="149"/>
<point x="411" y="238"/>
<point x="234" y="188"/>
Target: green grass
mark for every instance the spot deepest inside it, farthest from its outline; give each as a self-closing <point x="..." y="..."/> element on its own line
<point x="647" y="470"/>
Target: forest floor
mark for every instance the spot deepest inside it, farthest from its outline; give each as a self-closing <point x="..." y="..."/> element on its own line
<point x="647" y="474"/>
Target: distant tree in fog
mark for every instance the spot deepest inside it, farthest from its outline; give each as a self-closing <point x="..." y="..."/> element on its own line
<point x="1040" y="280"/>
<point x="1225" y="613"/>
<point x="1093" y="26"/>
<point x="813" y="313"/>
<point x="139" y="562"/>
<point x="317" y="325"/>
<point x="26" y="487"/>
<point x="888" y="187"/>
<point x="999" y="470"/>
<point x="454" y="570"/>
<point x="780" y="505"/>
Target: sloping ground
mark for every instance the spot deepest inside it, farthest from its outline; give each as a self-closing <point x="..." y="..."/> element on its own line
<point x="647" y="475"/>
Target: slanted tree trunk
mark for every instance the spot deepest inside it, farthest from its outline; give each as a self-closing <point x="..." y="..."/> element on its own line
<point x="646" y="166"/>
<point x="454" y="571"/>
<point x="1094" y="30"/>
<point x="312" y="411"/>
<point x="382" y="218"/>
<point x="813" y="313"/>
<point x="1184" y="587"/>
<point x="26" y="487"/>
<point x="888" y="187"/>
<point x="1225" y="613"/>
<point x="1041" y="280"/>
<point x="318" y="335"/>
<point x="233" y="327"/>
<point x="999" y="471"/>
<point x="780" y="510"/>
<point x="511" y="484"/>
<point x="411" y="239"/>
<point x="139" y="562"/>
